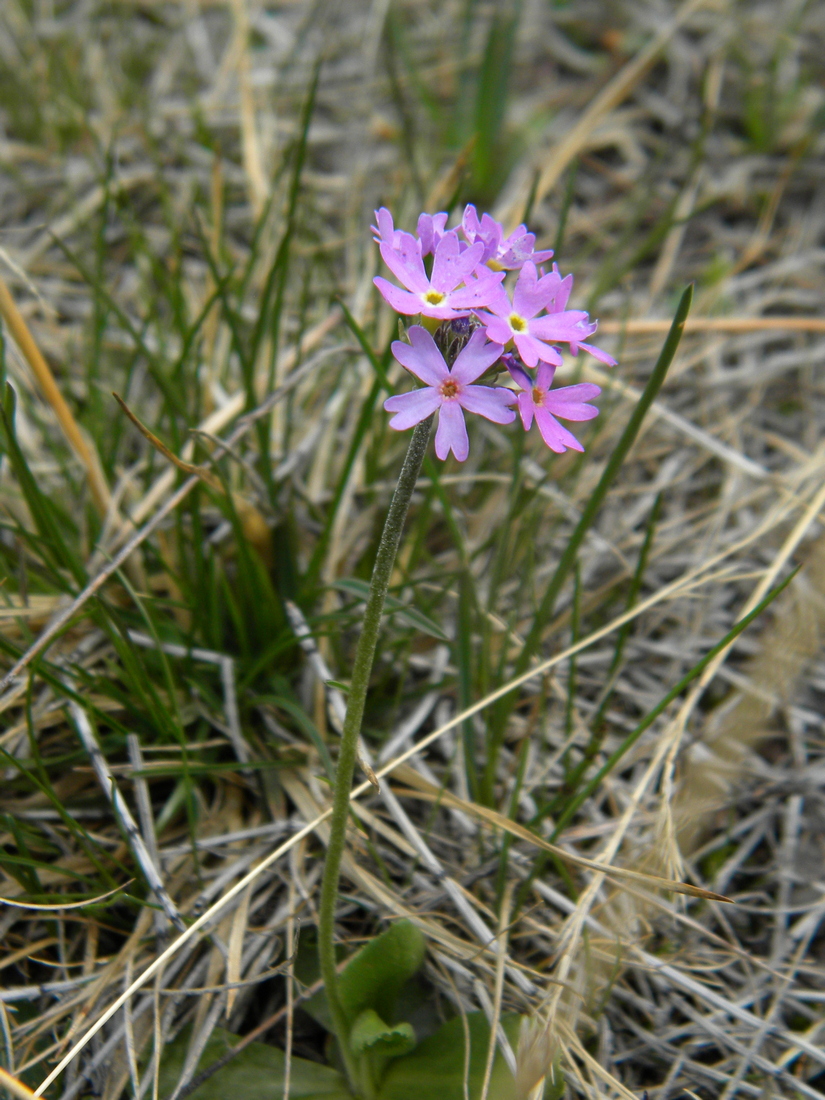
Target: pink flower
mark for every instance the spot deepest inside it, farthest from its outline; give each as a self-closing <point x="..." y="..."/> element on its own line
<point x="518" y="321"/>
<point x="442" y="295"/>
<point x="539" y="401"/>
<point x="385" y="232"/>
<point x="431" y="229"/>
<point x="448" y="391"/>
<point x="508" y="253"/>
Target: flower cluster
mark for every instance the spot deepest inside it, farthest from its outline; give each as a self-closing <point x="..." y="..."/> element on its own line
<point x="478" y="323"/>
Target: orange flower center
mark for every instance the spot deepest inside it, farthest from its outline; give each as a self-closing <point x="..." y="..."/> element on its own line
<point x="538" y="395"/>
<point x="449" y="388"/>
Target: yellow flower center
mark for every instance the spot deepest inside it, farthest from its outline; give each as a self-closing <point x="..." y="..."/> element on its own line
<point x="517" y="324"/>
<point x="433" y="297"/>
<point x="449" y="388"/>
<point x="538" y="395"/>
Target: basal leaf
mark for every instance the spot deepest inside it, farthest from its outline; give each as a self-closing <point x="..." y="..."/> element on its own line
<point x="374" y="977"/>
<point x="371" y="1035"/>
<point x="257" y="1073"/>
<point x="437" y="1065"/>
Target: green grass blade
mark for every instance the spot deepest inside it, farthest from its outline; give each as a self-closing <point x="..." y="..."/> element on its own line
<point x="51" y="524"/>
<point x="646" y="722"/>
<point x="568" y="558"/>
<point x="365" y="421"/>
<point x="662" y="705"/>
<point x="491" y="101"/>
<point x="378" y="365"/>
<point x="598" y="725"/>
<point x="614" y="464"/>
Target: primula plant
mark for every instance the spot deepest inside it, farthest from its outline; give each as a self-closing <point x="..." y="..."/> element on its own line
<point x="480" y="325"/>
<point x="474" y="349"/>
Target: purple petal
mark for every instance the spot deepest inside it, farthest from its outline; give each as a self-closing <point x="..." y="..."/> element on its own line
<point x="440" y="313"/>
<point x="497" y="330"/>
<point x="481" y="293"/>
<point x="533" y="294"/>
<point x="556" y="437"/>
<point x="451" y="266"/>
<point x="411" y="408"/>
<point x="490" y="236"/>
<point x="569" y="401"/>
<point x="451" y="434"/>
<point x="544" y="376"/>
<point x="518" y="237"/>
<point x="570" y="327"/>
<point x="526" y="301"/>
<point x="531" y="350"/>
<point x="385" y="228"/>
<point x="558" y="303"/>
<point x="423" y="358"/>
<point x="474" y="359"/>
<point x="597" y="353"/>
<point x="518" y="248"/>
<point x="489" y="401"/>
<point x="431" y="230"/>
<point x="487" y="232"/>
<point x="550" y="284"/>
<point x="520" y="376"/>
<point x="425" y="233"/>
<point x="470" y="223"/>
<point x="406" y="264"/>
<point x="491" y="230"/>
<point x="526" y="409"/>
<point x="402" y="301"/>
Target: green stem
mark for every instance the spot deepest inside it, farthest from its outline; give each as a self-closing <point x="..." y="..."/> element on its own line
<point x="362" y="668"/>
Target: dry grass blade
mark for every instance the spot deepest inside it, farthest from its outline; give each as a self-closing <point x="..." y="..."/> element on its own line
<point x="35" y="907"/>
<point x="421" y="788"/>
<point x="495" y="1022"/>
<point x="15" y="1087"/>
<point x="634" y="326"/>
<point x="185" y="467"/>
<point x="176" y="227"/>
<point x="111" y="790"/>
<point x="45" y="379"/>
<point x="559" y="156"/>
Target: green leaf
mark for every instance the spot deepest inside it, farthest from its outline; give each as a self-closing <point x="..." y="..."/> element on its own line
<point x="370" y="1034"/>
<point x="374" y="977"/>
<point x="437" y="1065"/>
<point x="394" y="606"/>
<point x="257" y="1073"/>
<point x="374" y="1044"/>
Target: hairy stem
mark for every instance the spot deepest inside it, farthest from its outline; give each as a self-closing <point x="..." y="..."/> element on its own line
<point x="362" y="668"/>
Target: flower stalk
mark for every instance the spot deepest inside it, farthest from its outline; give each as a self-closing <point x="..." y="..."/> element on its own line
<point x="362" y="668"/>
<point x="468" y="321"/>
